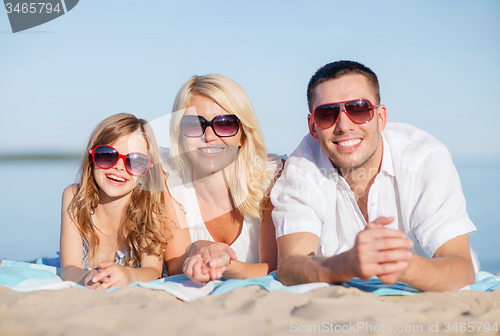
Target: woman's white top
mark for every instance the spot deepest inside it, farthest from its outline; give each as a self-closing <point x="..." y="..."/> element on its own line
<point x="246" y="245"/>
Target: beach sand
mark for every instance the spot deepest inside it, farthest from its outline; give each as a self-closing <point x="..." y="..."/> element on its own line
<point x="246" y="311"/>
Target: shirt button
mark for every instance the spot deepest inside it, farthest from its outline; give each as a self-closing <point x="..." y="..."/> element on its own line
<point x="374" y="204"/>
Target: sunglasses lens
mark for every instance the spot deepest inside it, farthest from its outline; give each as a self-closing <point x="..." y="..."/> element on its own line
<point x="325" y="116"/>
<point x="137" y="163"/>
<point x="360" y="111"/>
<point x="192" y="126"/>
<point x="105" y="156"/>
<point x="226" y="125"/>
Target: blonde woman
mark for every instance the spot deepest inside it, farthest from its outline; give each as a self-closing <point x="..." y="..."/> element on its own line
<point x="112" y="220"/>
<point x="219" y="175"/>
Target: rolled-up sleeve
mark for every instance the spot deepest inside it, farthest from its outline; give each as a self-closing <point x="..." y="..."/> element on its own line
<point x="439" y="212"/>
<point x="296" y="201"/>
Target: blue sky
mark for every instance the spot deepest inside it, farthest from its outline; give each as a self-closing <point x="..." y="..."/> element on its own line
<point x="437" y="63"/>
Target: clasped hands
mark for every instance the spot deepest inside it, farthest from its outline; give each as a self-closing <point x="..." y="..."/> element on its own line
<point x="380" y="251"/>
<point x="206" y="261"/>
<point x="107" y="275"/>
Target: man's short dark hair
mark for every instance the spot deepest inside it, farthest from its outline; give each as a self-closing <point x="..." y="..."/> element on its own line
<point x="336" y="70"/>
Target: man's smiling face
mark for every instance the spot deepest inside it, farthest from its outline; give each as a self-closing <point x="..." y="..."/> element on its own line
<point x="348" y="145"/>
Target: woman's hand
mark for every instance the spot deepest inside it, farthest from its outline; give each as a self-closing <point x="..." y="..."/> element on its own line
<point x="198" y="271"/>
<point x="207" y="260"/>
<point x="209" y="250"/>
<point x="110" y="275"/>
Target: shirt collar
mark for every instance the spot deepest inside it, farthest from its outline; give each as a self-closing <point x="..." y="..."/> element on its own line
<point x="387" y="165"/>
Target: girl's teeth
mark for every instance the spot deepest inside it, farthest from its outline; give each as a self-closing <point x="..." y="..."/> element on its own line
<point x="349" y="143"/>
<point x="116" y="178"/>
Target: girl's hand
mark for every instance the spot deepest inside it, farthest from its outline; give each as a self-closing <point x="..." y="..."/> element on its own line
<point x="111" y="275"/>
<point x="88" y="282"/>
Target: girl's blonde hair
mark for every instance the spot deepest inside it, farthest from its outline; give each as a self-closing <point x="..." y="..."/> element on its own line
<point x="248" y="176"/>
<point x="142" y="224"/>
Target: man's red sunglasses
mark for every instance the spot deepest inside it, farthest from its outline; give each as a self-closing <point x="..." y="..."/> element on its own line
<point x="359" y="111"/>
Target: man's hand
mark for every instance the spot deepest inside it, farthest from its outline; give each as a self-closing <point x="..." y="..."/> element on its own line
<point x="380" y="251"/>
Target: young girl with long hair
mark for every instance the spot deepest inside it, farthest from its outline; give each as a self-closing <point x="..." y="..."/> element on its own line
<point x="113" y="220"/>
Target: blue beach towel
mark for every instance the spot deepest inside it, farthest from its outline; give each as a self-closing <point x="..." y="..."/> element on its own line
<point x="26" y="277"/>
<point x="22" y="276"/>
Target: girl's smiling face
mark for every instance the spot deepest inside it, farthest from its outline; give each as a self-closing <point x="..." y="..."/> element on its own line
<point x="208" y="152"/>
<point x="116" y="182"/>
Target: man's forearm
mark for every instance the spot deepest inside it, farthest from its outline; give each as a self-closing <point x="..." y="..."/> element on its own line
<point x="439" y="274"/>
<point x="301" y="269"/>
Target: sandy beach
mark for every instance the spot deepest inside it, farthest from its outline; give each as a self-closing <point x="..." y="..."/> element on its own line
<point x="246" y="311"/>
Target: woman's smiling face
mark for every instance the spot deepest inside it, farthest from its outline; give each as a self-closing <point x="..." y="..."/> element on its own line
<point x="208" y="152"/>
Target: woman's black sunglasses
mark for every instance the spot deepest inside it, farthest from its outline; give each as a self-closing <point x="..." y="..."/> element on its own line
<point x="226" y="125"/>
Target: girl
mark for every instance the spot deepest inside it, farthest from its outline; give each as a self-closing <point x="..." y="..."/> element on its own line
<point x="113" y="219"/>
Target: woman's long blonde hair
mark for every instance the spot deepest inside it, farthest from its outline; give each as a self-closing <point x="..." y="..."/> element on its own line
<point x="142" y="228"/>
<point x="248" y="175"/>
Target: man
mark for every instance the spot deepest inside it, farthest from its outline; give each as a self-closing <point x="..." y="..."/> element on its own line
<point x="362" y="198"/>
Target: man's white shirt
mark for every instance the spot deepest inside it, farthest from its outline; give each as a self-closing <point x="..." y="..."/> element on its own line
<point x="417" y="184"/>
